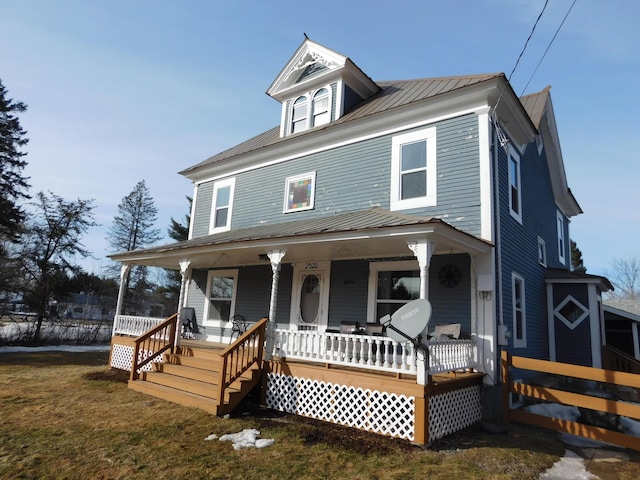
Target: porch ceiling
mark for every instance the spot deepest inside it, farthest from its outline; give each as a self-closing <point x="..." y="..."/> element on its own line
<point x="374" y="233"/>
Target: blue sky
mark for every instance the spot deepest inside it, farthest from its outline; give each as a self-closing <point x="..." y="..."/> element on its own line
<point x="121" y="91"/>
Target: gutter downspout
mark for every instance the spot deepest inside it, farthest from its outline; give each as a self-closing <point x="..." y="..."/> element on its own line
<point x="497" y="227"/>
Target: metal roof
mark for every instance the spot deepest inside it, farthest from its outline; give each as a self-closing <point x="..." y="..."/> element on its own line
<point x="535" y="103"/>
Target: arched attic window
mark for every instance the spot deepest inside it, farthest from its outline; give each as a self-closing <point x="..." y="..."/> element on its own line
<point x="300" y="115"/>
<point x="320" y="107"/>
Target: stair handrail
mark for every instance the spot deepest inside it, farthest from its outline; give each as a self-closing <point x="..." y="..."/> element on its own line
<point x="162" y="335"/>
<point x="241" y="355"/>
<point x="615" y="359"/>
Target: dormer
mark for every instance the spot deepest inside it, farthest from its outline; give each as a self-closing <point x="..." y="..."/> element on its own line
<point x="317" y="87"/>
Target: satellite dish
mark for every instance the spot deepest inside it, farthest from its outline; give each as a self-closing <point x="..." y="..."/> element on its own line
<point x="409" y="321"/>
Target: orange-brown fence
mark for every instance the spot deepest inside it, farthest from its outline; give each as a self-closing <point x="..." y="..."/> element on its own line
<point x="544" y="394"/>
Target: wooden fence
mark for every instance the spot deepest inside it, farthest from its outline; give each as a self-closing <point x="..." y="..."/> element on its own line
<point x="544" y="394"/>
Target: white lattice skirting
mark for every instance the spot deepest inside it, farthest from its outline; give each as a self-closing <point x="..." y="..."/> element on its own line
<point x="122" y="356"/>
<point x="452" y="411"/>
<point x="371" y="410"/>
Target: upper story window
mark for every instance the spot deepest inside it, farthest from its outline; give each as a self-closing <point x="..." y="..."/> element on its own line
<point x="413" y="170"/>
<point x="222" y="205"/>
<point x="320" y="107"/>
<point x="299" y="192"/>
<point x="515" y="197"/>
<point x="311" y="110"/>
<point x="561" y="241"/>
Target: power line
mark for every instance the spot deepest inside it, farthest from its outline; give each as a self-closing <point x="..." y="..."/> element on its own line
<point x="529" y="38"/>
<point x="548" y="47"/>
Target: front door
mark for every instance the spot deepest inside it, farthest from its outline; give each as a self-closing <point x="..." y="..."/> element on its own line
<point x="310" y="296"/>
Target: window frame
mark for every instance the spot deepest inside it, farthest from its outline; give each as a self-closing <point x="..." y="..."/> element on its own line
<point x="427" y="135"/>
<point x="514" y="159"/>
<point x="218" y="322"/>
<point x="217" y="186"/>
<point x="304" y="120"/>
<point x="519" y="338"/>
<point x="308" y="120"/>
<point x="287" y="185"/>
<point x="542" y="252"/>
<point x="374" y="269"/>
<point x="327" y="111"/>
<point x="562" y="243"/>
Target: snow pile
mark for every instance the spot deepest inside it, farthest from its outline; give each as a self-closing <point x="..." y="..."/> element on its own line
<point x="569" y="467"/>
<point x="247" y="438"/>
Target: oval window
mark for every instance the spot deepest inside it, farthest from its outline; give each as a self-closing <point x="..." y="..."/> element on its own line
<point x="310" y="299"/>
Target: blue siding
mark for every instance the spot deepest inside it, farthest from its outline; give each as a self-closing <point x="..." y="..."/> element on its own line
<point x="348" y="296"/>
<point x="450" y="305"/>
<point x="351" y="99"/>
<point x="357" y="177"/>
<point x="572" y="346"/>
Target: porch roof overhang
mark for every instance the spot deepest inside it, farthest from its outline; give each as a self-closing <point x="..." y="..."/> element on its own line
<point x="373" y="233"/>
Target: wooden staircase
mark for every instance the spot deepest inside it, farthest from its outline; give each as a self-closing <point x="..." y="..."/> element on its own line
<point x="209" y="376"/>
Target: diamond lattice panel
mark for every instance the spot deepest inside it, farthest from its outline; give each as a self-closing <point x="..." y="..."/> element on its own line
<point x="121" y="356"/>
<point x="453" y="411"/>
<point x="371" y="410"/>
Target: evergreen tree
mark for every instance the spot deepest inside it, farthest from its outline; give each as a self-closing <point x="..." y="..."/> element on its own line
<point x="13" y="184"/>
<point x="576" y="259"/>
<point x="178" y="232"/>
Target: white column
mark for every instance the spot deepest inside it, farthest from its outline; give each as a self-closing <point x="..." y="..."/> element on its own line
<point x="276" y="258"/>
<point x="423" y="250"/>
<point x="124" y="270"/>
<point x="185" y="274"/>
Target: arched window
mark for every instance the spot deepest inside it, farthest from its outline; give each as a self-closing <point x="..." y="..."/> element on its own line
<point x="320" y="107"/>
<point x="300" y="114"/>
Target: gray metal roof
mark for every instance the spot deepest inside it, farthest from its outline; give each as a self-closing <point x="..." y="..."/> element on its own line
<point x="534" y="105"/>
<point x="626" y="305"/>
<point x="393" y="94"/>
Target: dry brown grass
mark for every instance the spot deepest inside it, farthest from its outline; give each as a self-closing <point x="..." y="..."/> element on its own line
<point x="65" y="415"/>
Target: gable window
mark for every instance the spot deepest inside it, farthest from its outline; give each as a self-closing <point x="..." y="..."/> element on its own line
<point x="515" y="197"/>
<point x="413" y="170"/>
<point x="561" y="241"/>
<point x="221" y="296"/>
<point x="222" y="205"/>
<point x="299" y="192"/>
<point x="519" y="313"/>
<point x="320" y="107"/>
<point x="300" y="114"/>
<point x="542" y="252"/>
<point x="391" y="285"/>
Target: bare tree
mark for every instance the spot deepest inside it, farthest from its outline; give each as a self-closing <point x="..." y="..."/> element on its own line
<point x="625" y="277"/>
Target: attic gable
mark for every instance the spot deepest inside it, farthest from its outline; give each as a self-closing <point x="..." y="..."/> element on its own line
<point x="313" y="64"/>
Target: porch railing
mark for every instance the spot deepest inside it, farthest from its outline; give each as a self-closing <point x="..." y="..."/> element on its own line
<point x="372" y="352"/>
<point x="152" y="344"/>
<point x="134" y="325"/>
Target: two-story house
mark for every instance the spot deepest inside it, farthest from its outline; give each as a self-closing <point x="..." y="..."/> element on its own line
<point x="368" y="195"/>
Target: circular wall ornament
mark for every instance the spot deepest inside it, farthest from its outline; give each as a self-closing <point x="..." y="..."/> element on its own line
<point x="449" y="276"/>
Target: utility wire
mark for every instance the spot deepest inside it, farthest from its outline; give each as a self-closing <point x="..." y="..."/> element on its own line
<point x="548" y="47"/>
<point x="527" y="42"/>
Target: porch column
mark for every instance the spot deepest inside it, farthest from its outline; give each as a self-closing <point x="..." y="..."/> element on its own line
<point x="124" y="270"/>
<point x="276" y="258"/>
<point x="423" y="250"/>
<point x="185" y="274"/>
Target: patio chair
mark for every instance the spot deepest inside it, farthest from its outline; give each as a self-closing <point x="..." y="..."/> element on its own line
<point x="239" y="326"/>
<point x="451" y="330"/>
<point x="188" y="322"/>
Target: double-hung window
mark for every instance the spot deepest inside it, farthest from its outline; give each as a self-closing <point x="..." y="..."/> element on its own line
<point x="300" y="114"/>
<point x="311" y="110"/>
<point x="515" y="196"/>
<point x="391" y="285"/>
<point x="561" y="242"/>
<point x="222" y="205"/>
<point x="320" y="107"/>
<point x="413" y="170"/>
<point x="221" y="296"/>
<point x="519" y="312"/>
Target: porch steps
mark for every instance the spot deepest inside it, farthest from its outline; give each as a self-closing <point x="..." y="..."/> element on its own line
<point x="191" y="377"/>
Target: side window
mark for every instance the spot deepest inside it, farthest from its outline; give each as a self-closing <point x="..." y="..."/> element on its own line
<point x="391" y="285"/>
<point x="299" y="192"/>
<point x="542" y="252"/>
<point x="413" y="170"/>
<point x="561" y="239"/>
<point x="519" y="312"/>
<point x="221" y="295"/>
<point x="515" y="197"/>
<point x="300" y="114"/>
<point x="320" y="107"/>
<point x="222" y="205"/>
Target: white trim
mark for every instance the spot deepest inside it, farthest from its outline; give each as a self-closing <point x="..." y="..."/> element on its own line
<point x="321" y="268"/>
<point x="193" y="210"/>
<point x="486" y="185"/>
<point x="636" y="341"/>
<point x="309" y="120"/>
<point x="233" y="273"/>
<point x="428" y="135"/>
<point x="515" y="155"/>
<point x="562" y="242"/>
<point x="551" y="324"/>
<point x="372" y="291"/>
<point x="287" y="183"/>
<point x="563" y="319"/>
<point x="349" y="141"/>
<point x="519" y="343"/>
<point x="594" y="324"/>
<point x="231" y="183"/>
<point x="542" y="252"/>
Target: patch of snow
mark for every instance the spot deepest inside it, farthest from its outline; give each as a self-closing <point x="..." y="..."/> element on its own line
<point x="569" y="467"/>
<point x="213" y="436"/>
<point x="563" y="412"/>
<point x="631" y="427"/>
<point x="245" y="439"/>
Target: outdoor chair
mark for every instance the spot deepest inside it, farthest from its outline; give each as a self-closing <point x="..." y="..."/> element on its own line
<point x="239" y="326"/>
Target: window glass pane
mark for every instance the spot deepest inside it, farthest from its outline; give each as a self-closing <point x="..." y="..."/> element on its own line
<point x="221" y="217"/>
<point x="399" y="285"/>
<point x="414" y="155"/>
<point x="222" y="287"/>
<point x="222" y="198"/>
<point x="519" y="332"/>
<point x="414" y="185"/>
<point x="220" y="310"/>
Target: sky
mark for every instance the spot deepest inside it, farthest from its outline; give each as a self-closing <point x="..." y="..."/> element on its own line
<point x="122" y="91"/>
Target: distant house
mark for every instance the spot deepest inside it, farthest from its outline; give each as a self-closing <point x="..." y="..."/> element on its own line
<point x="84" y="306"/>
<point x="368" y="195"/>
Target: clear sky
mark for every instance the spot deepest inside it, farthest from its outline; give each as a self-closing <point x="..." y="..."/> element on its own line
<point x="119" y="91"/>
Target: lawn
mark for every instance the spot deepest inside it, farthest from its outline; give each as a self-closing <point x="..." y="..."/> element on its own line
<point x="65" y="415"/>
